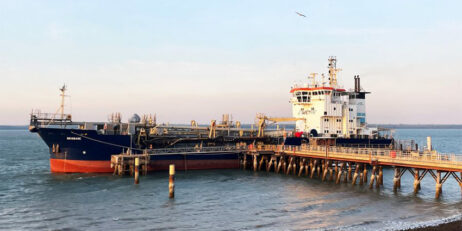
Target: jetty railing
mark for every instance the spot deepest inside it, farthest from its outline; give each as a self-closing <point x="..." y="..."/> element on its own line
<point x="426" y="159"/>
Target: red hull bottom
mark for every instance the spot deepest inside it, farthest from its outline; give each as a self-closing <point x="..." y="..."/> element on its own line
<point x="83" y="166"/>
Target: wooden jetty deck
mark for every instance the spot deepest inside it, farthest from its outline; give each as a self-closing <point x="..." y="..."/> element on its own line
<point x="344" y="164"/>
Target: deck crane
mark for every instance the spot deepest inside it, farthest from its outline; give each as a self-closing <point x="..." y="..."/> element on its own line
<point x="262" y="122"/>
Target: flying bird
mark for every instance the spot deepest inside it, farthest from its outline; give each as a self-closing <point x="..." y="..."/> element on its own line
<point x="300" y="14"/>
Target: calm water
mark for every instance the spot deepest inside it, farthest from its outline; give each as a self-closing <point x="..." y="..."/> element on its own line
<point x="32" y="198"/>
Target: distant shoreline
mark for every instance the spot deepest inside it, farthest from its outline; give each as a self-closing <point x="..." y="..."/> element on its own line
<point x="419" y="126"/>
<point x="14" y="127"/>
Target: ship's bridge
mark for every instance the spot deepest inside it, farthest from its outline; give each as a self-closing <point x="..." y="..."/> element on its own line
<point x="307" y="94"/>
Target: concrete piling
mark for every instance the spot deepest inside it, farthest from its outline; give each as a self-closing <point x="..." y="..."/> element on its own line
<point x="307" y="169"/>
<point x="416" y="181"/>
<point x="371" y="183"/>
<point x="336" y="167"/>
<point x="171" y="181"/>
<point x="365" y="174"/>
<point x="289" y="166"/>
<point x="262" y="160"/>
<point x="313" y="164"/>
<point x="339" y="173"/>
<point x="302" y="166"/>
<point x="281" y="159"/>
<point x="268" y="165"/>
<point x="324" y="174"/>
<point x="255" y="163"/>
<point x="331" y="171"/>
<point x="355" y="175"/>
<point x="319" y="170"/>
<point x="345" y="180"/>
<point x="137" y="170"/>
<point x="350" y="177"/>
<point x="438" y="185"/>
<point x="460" y="182"/>
<point x="396" y="179"/>
<point x="380" y="179"/>
<point x="294" y="166"/>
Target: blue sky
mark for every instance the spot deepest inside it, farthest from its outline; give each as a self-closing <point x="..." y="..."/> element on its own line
<point x="198" y="59"/>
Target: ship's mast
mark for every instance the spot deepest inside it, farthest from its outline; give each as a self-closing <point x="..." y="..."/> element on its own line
<point x="312" y="79"/>
<point x="333" y="70"/>
<point x="63" y="91"/>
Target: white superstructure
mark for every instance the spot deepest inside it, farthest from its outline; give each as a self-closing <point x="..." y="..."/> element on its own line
<point x="327" y="109"/>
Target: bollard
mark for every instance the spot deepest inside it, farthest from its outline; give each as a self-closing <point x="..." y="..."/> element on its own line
<point x="171" y="181"/>
<point x="137" y="170"/>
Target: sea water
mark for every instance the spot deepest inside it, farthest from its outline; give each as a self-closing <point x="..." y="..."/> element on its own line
<point x="32" y="198"/>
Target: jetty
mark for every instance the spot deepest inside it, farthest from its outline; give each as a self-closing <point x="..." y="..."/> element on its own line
<point x="355" y="164"/>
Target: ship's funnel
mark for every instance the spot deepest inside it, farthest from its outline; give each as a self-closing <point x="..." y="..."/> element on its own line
<point x="357" y="84"/>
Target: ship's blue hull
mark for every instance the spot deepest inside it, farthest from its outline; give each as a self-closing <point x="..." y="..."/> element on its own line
<point x="75" y="150"/>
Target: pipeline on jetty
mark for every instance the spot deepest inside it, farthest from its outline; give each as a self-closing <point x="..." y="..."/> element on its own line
<point x="347" y="164"/>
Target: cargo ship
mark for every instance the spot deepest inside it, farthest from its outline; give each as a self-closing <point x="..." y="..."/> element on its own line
<point x="324" y="114"/>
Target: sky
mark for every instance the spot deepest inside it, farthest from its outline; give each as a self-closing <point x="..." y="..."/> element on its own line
<point x="186" y="60"/>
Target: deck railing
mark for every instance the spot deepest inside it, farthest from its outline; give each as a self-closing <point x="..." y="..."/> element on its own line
<point x="196" y="149"/>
